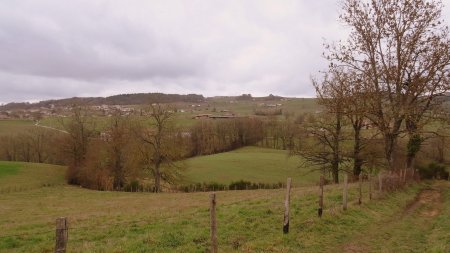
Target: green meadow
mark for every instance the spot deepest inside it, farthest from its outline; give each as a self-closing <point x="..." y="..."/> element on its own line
<point x="409" y="220"/>
<point x="17" y="176"/>
<point x="255" y="164"/>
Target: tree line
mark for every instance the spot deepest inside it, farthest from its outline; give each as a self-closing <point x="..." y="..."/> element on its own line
<point x="390" y="73"/>
<point x="128" y="150"/>
<point x="122" y="99"/>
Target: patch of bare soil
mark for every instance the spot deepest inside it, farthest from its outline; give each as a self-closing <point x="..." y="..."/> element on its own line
<point x="428" y="198"/>
<point x="354" y="247"/>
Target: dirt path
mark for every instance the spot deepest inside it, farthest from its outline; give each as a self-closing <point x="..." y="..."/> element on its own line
<point x="430" y="198"/>
<point x="51" y="128"/>
<point x="408" y="232"/>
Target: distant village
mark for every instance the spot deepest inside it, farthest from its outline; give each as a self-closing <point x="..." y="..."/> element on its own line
<point x="126" y="110"/>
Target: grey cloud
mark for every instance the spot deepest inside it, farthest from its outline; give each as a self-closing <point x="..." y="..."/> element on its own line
<point x="54" y="49"/>
<point x="113" y="50"/>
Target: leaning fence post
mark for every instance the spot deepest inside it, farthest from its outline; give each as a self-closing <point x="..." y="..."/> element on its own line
<point x="212" y="211"/>
<point x="62" y="235"/>
<point x="360" y="188"/>
<point x="320" y="210"/>
<point x="344" y="195"/>
<point x="286" y="207"/>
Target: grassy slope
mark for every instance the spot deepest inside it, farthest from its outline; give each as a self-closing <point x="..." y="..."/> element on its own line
<point x="8" y="169"/>
<point x="14" y="126"/>
<point x="296" y="106"/>
<point x="248" y="221"/>
<point x="249" y="163"/>
<point x="424" y="226"/>
<point x="15" y="176"/>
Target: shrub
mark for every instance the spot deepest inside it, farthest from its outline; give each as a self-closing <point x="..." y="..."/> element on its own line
<point x="238" y="185"/>
<point x="433" y="171"/>
<point x="133" y="186"/>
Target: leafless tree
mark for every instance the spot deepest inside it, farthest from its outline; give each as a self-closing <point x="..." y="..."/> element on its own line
<point x="323" y="147"/>
<point x="116" y="138"/>
<point x="158" y="149"/>
<point x="80" y="129"/>
<point x="401" y="48"/>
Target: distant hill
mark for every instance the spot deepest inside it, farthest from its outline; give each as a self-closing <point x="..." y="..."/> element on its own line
<point x="123" y="99"/>
<point x="248" y="97"/>
<point x="133" y="99"/>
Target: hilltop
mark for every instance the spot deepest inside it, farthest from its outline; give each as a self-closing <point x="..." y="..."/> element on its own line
<point x="122" y="99"/>
<point x="132" y="99"/>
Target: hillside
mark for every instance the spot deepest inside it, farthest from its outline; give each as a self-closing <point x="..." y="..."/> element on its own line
<point x="123" y="99"/>
<point x="18" y="176"/>
<point x="255" y="164"/>
<point x="411" y="220"/>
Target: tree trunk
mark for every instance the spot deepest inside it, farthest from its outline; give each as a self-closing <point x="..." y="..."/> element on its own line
<point x="335" y="172"/>
<point x="414" y="143"/>
<point x="357" y="161"/>
<point x="157" y="178"/>
<point x="336" y="149"/>
<point x="389" y="144"/>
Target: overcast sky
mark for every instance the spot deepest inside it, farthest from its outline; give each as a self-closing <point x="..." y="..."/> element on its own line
<point x="56" y="49"/>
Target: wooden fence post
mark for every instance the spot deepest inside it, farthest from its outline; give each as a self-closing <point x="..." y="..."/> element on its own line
<point x="62" y="235"/>
<point x="360" y="188"/>
<point x="370" y="186"/>
<point x="380" y="182"/>
<point x="212" y="210"/>
<point x="320" y="210"/>
<point x="344" y="195"/>
<point x="286" y="207"/>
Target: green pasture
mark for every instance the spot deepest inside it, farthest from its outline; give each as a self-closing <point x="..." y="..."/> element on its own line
<point x="253" y="164"/>
<point x="248" y="221"/>
<point x="16" y="176"/>
<point x="9" y="168"/>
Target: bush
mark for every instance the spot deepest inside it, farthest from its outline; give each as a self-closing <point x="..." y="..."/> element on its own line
<point x="133" y="186"/>
<point x="433" y="171"/>
<point x="238" y="185"/>
<point x="199" y="187"/>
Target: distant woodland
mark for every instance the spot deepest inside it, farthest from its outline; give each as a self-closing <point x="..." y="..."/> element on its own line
<point x="123" y="99"/>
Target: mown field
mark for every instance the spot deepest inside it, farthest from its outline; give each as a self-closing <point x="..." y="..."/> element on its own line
<point x="248" y="221"/>
<point x="255" y="164"/>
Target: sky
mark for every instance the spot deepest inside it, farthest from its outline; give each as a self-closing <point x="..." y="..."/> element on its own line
<point x="52" y="49"/>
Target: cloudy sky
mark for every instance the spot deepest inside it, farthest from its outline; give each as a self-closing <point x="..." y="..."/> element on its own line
<point x="56" y="49"/>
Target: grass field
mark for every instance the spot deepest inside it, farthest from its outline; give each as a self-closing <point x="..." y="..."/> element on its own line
<point x="16" y="176"/>
<point x="9" y="168"/>
<point x="14" y="126"/>
<point x="253" y="164"/>
<point x="248" y="221"/>
<point x="183" y="119"/>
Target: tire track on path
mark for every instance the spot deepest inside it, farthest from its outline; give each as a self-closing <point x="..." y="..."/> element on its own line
<point x="405" y="232"/>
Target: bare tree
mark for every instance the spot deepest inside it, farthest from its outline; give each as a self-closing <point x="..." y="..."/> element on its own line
<point x="324" y="148"/>
<point x="158" y="148"/>
<point x="342" y="90"/>
<point x="401" y="48"/>
<point x="40" y="140"/>
<point x="80" y="128"/>
<point x="117" y="139"/>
